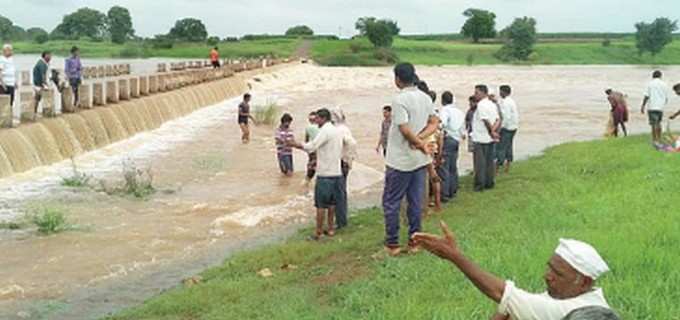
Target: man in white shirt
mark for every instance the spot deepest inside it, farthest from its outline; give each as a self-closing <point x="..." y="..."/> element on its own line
<point x="656" y="98"/>
<point x="509" y="126"/>
<point x="349" y="153"/>
<point x="8" y="73"/>
<point x="413" y="119"/>
<point x="328" y="145"/>
<point x="570" y="279"/>
<point x="453" y="127"/>
<point x="485" y="124"/>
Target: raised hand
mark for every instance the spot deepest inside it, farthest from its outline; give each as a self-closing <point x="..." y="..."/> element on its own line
<point x="444" y="247"/>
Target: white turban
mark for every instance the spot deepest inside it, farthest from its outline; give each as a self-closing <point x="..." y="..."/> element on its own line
<point x="582" y="257"/>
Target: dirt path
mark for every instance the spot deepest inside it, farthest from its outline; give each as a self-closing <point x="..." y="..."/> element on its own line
<point x="303" y="49"/>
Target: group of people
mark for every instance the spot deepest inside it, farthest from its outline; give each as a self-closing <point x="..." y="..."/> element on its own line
<point x="41" y="79"/>
<point x="657" y="96"/>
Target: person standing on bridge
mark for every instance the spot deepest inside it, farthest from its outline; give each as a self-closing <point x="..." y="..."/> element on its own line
<point x="40" y="80"/>
<point x="8" y="73"/>
<point x="73" y="69"/>
<point x="215" y="57"/>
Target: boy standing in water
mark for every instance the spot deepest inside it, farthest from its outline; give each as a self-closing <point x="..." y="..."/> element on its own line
<point x="284" y="152"/>
<point x="243" y="118"/>
<point x="310" y="133"/>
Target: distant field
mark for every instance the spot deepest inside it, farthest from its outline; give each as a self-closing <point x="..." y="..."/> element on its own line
<point x="434" y="52"/>
<point x="578" y="48"/>
<point x="253" y="48"/>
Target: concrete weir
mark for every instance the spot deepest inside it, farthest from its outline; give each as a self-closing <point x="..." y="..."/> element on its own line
<point x="125" y="107"/>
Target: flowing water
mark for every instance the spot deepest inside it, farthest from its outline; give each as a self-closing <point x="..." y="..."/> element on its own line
<point x="215" y="194"/>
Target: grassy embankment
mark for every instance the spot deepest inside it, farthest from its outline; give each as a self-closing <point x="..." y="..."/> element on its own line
<point x="440" y="52"/>
<point x="619" y="195"/>
<point x="253" y="48"/>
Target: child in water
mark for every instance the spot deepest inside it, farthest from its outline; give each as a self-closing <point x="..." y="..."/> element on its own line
<point x="284" y="152"/>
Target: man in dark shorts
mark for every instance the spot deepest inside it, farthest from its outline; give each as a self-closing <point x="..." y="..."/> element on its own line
<point x="40" y="80"/>
<point x="656" y="98"/>
<point x="384" y="130"/>
<point x="73" y="69"/>
<point x="328" y="145"/>
<point x="243" y="118"/>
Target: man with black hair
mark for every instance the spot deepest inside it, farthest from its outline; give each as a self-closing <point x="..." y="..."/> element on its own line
<point x="244" y="117"/>
<point x="215" y="57"/>
<point x="384" y="130"/>
<point x="413" y="119"/>
<point x="485" y="124"/>
<point x="453" y="127"/>
<point x="40" y="80"/>
<point x="509" y="126"/>
<point x="328" y="146"/>
<point x="284" y="153"/>
<point x="656" y="98"/>
<point x="73" y="69"/>
<point x="310" y="133"/>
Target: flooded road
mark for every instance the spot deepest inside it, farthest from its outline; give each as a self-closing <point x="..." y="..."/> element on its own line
<point x="216" y="196"/>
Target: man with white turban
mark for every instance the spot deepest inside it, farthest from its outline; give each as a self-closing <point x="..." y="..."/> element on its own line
<point x="570" y="279"/>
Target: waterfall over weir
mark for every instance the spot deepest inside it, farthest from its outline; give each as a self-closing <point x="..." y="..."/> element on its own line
<point x="55" y="139"/>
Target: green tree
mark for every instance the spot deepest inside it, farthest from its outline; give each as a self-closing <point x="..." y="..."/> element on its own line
<point x="380" y="33"/>
<point x="213" y="41"/>
<point x="653" y="37"/>
<point x="520" y="38"/>
<point x="480" y="24"/>
<point x="120" y="24"/>
<point x="299" y="31"/>
<point x="189" y="29"/>
<point x="18" y="33"/>
<point x="363" y="24"/>
<point x="5" y="28"/>
<point x="85" y="22"/>
<point x="38" y="35"/>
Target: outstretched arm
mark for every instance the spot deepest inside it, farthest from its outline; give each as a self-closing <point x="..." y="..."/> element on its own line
<point x="675" y="115"/>
<point x="446" y="248"/>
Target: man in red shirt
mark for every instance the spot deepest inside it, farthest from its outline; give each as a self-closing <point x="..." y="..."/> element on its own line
<point x="215" y="57"/>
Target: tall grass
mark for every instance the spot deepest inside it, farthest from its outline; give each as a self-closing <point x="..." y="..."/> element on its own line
<point x="50" y="221"/>
<point x="77" y="178"/>
<point x="267" y="114"/>
<point x="624" y="203"/>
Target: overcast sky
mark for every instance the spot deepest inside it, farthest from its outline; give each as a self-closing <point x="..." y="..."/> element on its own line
<point x="238" y="17"/>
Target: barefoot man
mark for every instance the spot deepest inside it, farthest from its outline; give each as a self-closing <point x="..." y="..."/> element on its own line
<point x="244" y="117"/>
<point x="656" y="99"/>
<point x="570" y="279"/>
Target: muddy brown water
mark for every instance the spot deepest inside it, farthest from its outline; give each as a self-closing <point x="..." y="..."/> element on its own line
<point x="217" y="196"/>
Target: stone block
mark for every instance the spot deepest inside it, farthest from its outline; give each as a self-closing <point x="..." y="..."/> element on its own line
<point x="123" y="89"/>
<point x="112" y="92"/>
<point x="143" y="85"/>
<point x="134" y="87"/>
<point x="98" y="94"/>
<point x="5" y="111"/>
<point x="153" y="83"/>
<point x="85" y="95"/>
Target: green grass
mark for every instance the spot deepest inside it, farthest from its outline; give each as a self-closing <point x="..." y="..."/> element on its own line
<point x="619" y="195"/>
<point x="90" y="49"/>
<point x="432" y="52"/>
<point x="77" y="178"/>
<point x="50" y="221"/>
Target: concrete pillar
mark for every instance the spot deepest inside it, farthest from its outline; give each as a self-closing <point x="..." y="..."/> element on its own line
<point x="162" y="68"/>
<point x="134" y="87"/>
<point x="85" y="95"/>
<point x="123" y="89"/>
<point x="49" y="108"/>
<point x="101" y="72"/>
<point x="98" y="94"/>
<point x="143" y="85"/>
<point x="162" y="82"/>
<point x="153" y="83"/>
<point x="25" y="78"/>
<point x="112" y="92"/>
<point x="67" y="100"/>
<point x="109" y="71"/>
<point x="26" y="107"/>
<point x="5" y="111"/>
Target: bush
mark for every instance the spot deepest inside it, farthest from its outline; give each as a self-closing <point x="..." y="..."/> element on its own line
<point x="299" y="31"/>
<point x="213" y="41"/>
<point x="355" y="47"/>
<point x="606" y="42"/>
<point x="133" y="51"/>
<point x="50" y="221"/>
<point x="386" y="55"/>
<point x="231" y="39"/>
<point x="267" y="114"/>
<point x="653" y="37"/>
<point x="77" y="178"/>
<point x="138" y="182"/>
<point x="162" y="42"/>
<point x="10" y="226"/>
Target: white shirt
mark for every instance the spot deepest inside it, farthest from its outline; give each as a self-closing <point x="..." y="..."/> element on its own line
<point x="349" y="145"/>
<point x="413" y="108"/>
<point x="486" y="110"/>
<point x="8" y="71"/>
<point x="510" y="114"/>
<point x="453" y="122"/>
<point x="658" y="93"/>
<point x="328" y="147"/>
<point x="522" y="305"/>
